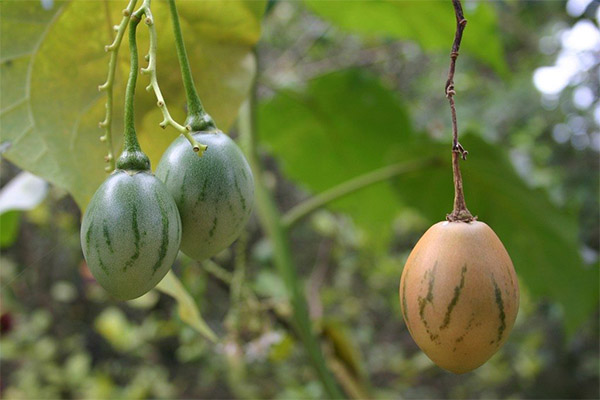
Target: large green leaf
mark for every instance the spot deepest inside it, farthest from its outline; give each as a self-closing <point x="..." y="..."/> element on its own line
<point x="327" y="145"/>
<point x="430" y="23"/>
<point x="53" y="60"/>
<point x="346" y="123"/>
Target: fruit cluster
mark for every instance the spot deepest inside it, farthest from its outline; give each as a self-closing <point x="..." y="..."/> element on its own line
<point x="136" y="222"/>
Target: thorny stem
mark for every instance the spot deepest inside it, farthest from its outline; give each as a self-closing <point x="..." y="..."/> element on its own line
<point x="108" y="85"/>
<point x="460" y="211"/>
<point x="151" y="71"/>
<point x="198" y="119"/>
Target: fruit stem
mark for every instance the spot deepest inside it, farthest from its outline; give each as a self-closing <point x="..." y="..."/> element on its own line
<point x="107" y="86"/>
<point x="151" y="71"/>
<point x="198" y="119"/>
<point x="132" y="158"/>
<point x="460" y="211"/>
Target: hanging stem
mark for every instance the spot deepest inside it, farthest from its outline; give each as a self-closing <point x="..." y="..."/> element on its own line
<point x="198" y="119"/>
<point x="151" y="71"/>
<point x="460" y="211"/>
<point x="132" y="157"/>
<point x="113" y="48"/>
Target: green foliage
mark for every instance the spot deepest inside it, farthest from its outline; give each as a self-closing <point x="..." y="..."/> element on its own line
<point x="186" y="306"/>
<point x="429" y="23"/>
<point x="332" y="141"/>
<point x="370" y="129"/>
<point x="51" y="105"/>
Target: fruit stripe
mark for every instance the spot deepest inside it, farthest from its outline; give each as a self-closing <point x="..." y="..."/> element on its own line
<point x="162" y="252"/>
<point x="88" y="236"/>
<point x="500" y="304"/>
<point x="88" y="239"/>
<point x="211" y="233"/>
<point x="428" y="299"/>
<point x="467" y="330"/>
<point x="183" y="187"/>
<point x="102" y="265"/>
<point x="203" y="190"/>
<point x="457" y="291"/>
<point x="136" y="233"/>
<point x="242" y="198"/>
<point x="107" y="236"/>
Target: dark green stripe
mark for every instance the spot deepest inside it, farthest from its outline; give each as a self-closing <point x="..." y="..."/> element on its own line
<point x="162" y="251"/>
<point x="500" y="304"/>
<point x="102" y="265"/>
<point x="167" y="175"/>
<point x="203" y="191"/>
<point x="107" y="236"/>
<point x="88" y="236"/>
<point x="211" y="233"/>
<point x="242" y="198"/>
<point x="136" y="233"/>
<point x="423" y="301"/>
<point x="455" y="298"/>
<point x="467" y="330"/>
<point x="183" y="189"/>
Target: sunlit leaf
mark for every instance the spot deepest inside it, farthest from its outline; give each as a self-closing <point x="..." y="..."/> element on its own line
<point x="50" y="71"/>
<point x="186" y="306"/>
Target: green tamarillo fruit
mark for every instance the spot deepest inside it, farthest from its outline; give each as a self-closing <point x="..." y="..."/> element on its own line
<point x="214" y="193"/>
<point x="130" y="233"/>
<point x="459" y="294"/>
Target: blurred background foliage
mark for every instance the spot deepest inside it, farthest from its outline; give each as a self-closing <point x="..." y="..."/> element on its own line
<point x="344" y="88"/>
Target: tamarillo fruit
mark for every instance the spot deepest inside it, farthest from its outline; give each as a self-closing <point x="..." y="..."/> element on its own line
<point x="214" y="193"/>
<point x="459" y="294"/>
<point x="130" y="233"/>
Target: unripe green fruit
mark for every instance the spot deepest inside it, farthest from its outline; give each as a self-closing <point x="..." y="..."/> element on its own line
<point x="214" y="193"/>
<point x="459" y="294"/>
<point x="130" y="233"/>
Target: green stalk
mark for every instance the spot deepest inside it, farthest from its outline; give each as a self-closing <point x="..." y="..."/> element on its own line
<point x="132" y="157"/>
<point x="198" y="119"/>
<point x="270" y="219"/>
<point x="314" y="203"/>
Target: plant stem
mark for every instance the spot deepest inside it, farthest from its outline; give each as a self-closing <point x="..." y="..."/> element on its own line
<point x="151" y="70"/>
<point x="198" y="119"/>
<point x="109" y="84"/>
<point x="131" y="143"/>
<point x="460" y="211"/>
<point x="314" y="203"/>
<point x="270" y="219"/>
<point x="132" y="158"/>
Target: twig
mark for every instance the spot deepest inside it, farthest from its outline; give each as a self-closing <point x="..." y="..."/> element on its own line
<point x="460" y="211"/>
<point x="151" y="71"/>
